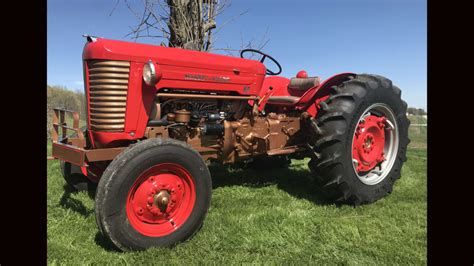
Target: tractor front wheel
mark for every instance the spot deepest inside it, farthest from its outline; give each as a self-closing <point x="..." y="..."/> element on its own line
<point x="360" y="139"/>
<point x="155" y="193"/>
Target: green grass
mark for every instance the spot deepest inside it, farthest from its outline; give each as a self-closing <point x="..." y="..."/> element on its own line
<point x="261" y="217"/>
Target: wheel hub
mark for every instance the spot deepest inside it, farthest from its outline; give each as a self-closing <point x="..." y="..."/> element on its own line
<point x="368" y="144"/>
<point x="156" y="198"/>
<point x="161" y="200"/>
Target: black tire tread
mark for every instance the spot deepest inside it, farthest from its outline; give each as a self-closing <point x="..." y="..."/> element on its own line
<point x="333" y="122"/>
<point x="118" y="163"/>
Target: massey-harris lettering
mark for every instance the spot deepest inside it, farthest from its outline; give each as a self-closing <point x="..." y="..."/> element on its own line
<point x="156" y="115"/>
<point x="206" y="78"/>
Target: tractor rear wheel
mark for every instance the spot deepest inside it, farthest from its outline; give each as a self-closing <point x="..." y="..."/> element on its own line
<point x="156" y="193"/>
<point x="360" y="140"/>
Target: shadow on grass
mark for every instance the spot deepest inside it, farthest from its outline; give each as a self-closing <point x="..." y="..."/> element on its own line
<point x="296" y="182"/>
<point x="71" y="203"/>
<point x="103" y="242"/>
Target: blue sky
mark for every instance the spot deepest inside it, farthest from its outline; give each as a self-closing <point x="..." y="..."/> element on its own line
<point x="323" y="37"/>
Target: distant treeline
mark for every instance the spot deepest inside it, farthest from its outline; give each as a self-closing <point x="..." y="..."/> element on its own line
<point x="416" y="111"/>
<point x="62" y="97"/>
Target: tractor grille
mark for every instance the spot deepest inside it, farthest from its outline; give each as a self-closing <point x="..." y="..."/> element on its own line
<point x="108" y="87"/>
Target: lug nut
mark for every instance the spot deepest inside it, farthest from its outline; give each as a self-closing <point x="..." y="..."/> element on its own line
<point x="151" y="192"/>
<point x="150" y="200"/>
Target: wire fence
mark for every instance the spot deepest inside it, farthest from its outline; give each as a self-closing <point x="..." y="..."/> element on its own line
<point x="418" y="131"/>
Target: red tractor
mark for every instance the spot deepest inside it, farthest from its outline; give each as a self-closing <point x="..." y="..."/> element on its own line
<point x="156" y="114"/>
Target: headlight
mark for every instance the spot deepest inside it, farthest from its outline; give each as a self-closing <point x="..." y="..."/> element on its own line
<point x="149" y="73"/>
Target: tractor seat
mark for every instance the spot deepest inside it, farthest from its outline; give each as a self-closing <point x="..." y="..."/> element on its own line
<point x="299" y="84"/>
<point x="303" y="84"/>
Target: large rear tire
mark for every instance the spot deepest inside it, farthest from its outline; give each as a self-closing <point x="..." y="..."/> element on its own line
<point x="155" y="193"/>
<point x="360" y="140"/>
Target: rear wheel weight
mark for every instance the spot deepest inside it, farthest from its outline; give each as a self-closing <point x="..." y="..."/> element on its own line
<point x="360" y="141"/>
<point x="375" y="144"/>
<point x="155" y="193"/>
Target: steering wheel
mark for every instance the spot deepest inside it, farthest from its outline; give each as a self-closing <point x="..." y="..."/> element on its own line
<point x="264" y="56"/>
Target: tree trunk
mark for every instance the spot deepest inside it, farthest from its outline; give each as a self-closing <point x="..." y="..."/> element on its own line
<point x="190" y="24"/>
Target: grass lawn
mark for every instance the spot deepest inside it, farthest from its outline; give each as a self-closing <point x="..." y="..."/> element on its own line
<point x="271" y="216"/>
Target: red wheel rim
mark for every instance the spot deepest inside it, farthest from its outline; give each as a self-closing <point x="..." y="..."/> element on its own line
<point x="161" y="200"/>
<point x="369" y="142"/>
<point x="375" y="144"/>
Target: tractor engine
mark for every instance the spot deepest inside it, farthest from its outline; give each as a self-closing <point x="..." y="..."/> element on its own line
<point x="182" y="117"/>
<point x="222" y="129"/>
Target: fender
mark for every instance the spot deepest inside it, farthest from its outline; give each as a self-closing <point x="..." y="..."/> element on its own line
<point x="278" y="86"/>
<point x="311" y="98"/>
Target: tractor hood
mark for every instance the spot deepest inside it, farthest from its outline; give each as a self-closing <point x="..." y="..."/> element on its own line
<point x="99" y="48"/>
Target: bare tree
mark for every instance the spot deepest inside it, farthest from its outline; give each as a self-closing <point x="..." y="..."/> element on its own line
<point x="188" y="24"/>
